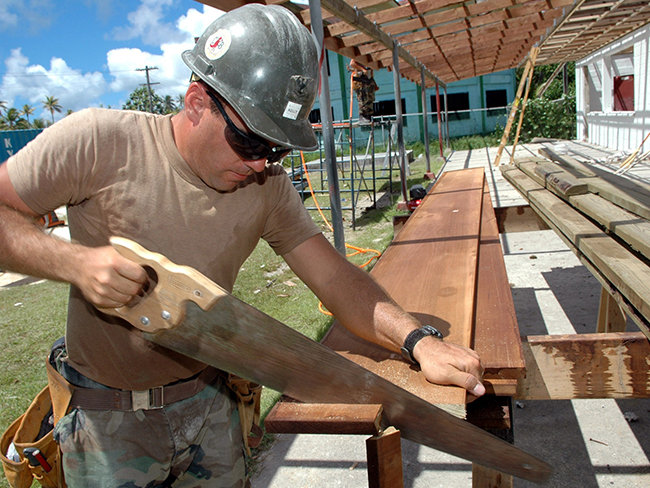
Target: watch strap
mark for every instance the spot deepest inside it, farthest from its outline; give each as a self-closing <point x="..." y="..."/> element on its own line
<point x="414" y="337"/>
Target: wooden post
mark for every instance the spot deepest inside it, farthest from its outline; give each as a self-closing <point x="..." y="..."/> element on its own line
<point x="513" y="110"/>
<point x="384" y="454"/>
<point x="533" y="57"/>
<point x="610" y="316"/>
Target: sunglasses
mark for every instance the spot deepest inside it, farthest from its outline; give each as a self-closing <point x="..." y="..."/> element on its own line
<point x="248" y="146"/>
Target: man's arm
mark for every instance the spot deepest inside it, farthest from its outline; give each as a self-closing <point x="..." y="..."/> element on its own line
<point x="364" y="308"/>
<point x="105" y="277"/>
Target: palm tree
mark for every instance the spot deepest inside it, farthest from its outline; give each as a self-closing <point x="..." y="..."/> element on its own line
<point x="168" y="105"/>
<point x="52" y="104"/>
<point x="12" y="117"/>
<point x="27" y="111"/>
<point x="180" y="100"/>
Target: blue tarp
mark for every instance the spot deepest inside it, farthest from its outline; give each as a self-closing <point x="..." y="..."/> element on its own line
<point x="13" y="140"/>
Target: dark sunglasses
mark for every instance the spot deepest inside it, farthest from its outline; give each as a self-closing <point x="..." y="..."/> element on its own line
<point x="248" y="146"/>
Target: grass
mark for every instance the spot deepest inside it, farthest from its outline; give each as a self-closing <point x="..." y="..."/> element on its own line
<point x="33" y="316"/>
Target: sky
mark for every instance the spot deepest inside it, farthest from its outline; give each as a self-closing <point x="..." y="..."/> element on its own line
<point x="86" y="53"/>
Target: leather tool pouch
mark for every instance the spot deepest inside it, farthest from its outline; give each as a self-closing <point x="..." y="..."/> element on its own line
<point x="31" y="434"/>
<point x="248" y="403"/>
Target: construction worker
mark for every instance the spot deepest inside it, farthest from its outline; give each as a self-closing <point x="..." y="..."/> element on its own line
<point x="201" y="188"/>
<point x="364" y="86"/>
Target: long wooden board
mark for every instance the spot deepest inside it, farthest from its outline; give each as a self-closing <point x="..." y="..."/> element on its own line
<point x="633" y="196"/>
<point x="626" y="272"/>
<point x="496" y="332"/>
<point x="631" y="228"/>
<point x="430" y="270"/>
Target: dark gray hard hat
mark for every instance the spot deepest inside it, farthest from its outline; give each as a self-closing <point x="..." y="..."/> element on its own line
<point x="263" y="62"/>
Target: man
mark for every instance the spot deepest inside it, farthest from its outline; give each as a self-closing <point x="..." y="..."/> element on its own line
<point x="364" y="85"/>
<point x="199" y="188"/>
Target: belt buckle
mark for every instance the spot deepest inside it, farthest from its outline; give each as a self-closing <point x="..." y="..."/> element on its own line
<point x="150" y="399"/>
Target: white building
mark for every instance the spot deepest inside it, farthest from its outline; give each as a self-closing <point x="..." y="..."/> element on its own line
<point x="612" y="99"/>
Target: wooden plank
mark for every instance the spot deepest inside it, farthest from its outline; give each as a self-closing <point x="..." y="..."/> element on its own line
<point x="560" y="180"/>
<point x="633" y="196"/>
<point x="483" y="477"/>
<point x="631" y="228"/>
<point x="289" y="417"/>
<point x="629" y="274"/>
<point x="496" y="332"/>
<point x="384" y="454"/>
<point x="430" y="270"/>
<point x="561" y="367"/>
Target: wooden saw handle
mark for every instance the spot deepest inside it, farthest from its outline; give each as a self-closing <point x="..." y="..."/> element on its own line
<point x="162" y="307"/>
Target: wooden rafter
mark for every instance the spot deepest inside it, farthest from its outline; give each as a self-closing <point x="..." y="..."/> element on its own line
<point x="457" y="39"/>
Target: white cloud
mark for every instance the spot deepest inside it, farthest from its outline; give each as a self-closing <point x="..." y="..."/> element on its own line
<point x="26" y="15"/>
<point x="171" y="74"/>
<point x="146" y="23"/>
<point x="74" y="90"/>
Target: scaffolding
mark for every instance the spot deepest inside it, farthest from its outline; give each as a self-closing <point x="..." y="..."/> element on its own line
<point x="362" y="172"/>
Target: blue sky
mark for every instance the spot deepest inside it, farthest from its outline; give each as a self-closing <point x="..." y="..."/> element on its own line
<point x="86" y="52"/>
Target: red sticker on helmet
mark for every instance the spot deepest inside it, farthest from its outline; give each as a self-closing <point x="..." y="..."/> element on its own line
<point x="217" y="44"/>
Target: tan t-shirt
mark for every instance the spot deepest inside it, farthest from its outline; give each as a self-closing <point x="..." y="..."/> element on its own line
<point x="120" y="173"/>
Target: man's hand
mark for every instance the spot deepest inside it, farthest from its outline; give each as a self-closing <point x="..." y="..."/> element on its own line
<point x="107" y="279"/>
<point x="445" y="363"/>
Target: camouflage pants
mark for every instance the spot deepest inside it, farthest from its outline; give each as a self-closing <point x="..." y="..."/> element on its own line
<point x="192" y="443"/>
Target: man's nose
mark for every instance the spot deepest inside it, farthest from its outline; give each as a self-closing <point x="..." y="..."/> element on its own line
<point x="256" y="165"/>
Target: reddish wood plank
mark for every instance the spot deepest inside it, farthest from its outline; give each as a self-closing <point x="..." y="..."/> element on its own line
<point x="430" y="270"/>
<point x="319" y="418"/>
<point x="496" y="332"/>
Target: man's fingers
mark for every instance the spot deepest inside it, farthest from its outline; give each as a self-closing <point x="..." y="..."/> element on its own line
<point x="470" y="382"/>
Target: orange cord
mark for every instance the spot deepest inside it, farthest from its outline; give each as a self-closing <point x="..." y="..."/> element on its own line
<point x="357" y="250"/>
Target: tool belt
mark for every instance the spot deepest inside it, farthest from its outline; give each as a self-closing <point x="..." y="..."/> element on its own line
<point x="39" y="454"/>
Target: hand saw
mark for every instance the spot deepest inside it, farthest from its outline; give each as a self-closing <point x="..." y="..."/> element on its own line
<point x="188" y="313"/>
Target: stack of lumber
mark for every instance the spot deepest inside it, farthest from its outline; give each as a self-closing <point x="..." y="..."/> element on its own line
<point x="602" y="217"/>
<point x="446" y="268"/>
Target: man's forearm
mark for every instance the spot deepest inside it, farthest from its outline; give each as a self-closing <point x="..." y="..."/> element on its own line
<point x="26" y="249"/>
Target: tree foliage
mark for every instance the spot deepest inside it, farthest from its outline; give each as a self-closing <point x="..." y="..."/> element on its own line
<point x="140" y="100"/>
<point x="553" y="114"/>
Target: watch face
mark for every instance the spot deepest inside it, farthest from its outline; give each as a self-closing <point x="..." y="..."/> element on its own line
<point x="407" y="355"/>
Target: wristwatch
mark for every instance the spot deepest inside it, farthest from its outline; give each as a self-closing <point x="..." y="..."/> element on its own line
<point x="414" y="337"/>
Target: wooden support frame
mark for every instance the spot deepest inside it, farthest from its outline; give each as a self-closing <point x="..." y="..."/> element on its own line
<point x="564" y="367"/>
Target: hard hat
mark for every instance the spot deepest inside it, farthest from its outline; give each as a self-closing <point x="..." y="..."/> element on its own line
<point x="263" y="62"/>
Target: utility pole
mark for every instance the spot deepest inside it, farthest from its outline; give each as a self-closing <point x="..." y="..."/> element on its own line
<point x="148" y="84"/>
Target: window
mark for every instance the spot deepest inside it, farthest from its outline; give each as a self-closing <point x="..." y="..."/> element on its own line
<point x="497" y="101"/>
<point x="624" y="93"/>
<point x="458" y="106"/>
<point x="314" y="116"/>
<point x="387" y="107"/>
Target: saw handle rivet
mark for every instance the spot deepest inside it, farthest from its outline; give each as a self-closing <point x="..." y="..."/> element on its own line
<point x="144" y="320"/>
<point x="166" y="315"/>
<point x="197" y="293"/>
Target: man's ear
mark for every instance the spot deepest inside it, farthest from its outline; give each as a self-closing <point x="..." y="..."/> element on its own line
<point x="196" y="102"/>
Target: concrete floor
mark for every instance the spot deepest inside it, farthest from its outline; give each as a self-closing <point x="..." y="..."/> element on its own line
<point x="589" y="443"/>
